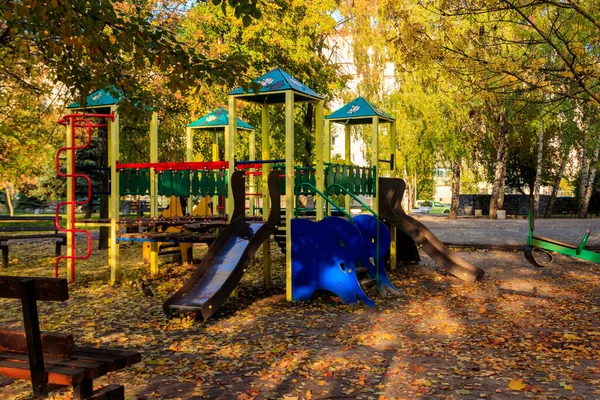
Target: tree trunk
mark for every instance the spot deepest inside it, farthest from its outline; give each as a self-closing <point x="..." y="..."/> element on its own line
<point x="497" y="198"/>
<point x="585" y="166"/>
<point x="9" y="202"/>
<point x="585" y="202"/>
<point x="89" y="208"/>
<point x="455" y="190"/>
<point x="556" y="185"/>
<point x="538" y="171"/>
<point x="103" y="161"/>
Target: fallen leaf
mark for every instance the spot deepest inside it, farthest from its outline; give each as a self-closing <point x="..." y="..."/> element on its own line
<point x="516" y="384"/>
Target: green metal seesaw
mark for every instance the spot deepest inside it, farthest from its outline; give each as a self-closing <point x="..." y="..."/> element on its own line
<point x="539" y="245"/>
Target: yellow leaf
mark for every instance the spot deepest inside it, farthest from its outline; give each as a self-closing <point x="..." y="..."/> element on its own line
<point x="308" y="395"/>
<point x="517" y="384"/>
<point x="112" y="39"/>
<point x="593" y="333"/>
<point x="570" y="336"/>
<point x="322" y="383"/>
<point x="568" y="387"/>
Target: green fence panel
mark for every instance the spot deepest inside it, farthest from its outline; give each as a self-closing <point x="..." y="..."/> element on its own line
<point x="221" y="187"/>
<point x="143" y="182"/>
<point x="124" y="185"/>
<point x="195" y="183"/>
<point x="133" y="182"/>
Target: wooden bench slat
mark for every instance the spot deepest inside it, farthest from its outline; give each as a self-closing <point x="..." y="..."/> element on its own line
<point x="92" y="369"/>
<point x="114" y="361"/>
<point x="34" y="236"/>
<point x="29" y="229"/>
<point x="48" y="289"/>
<point x="57" y="375"/>
<point x="21" y="218"/>
<point x="53" y="344"/>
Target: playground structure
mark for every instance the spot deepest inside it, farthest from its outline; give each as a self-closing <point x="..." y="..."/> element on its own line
<point x="350" y="265"/>
<point x="539" y="244"/>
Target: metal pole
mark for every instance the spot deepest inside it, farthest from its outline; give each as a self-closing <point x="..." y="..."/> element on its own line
<point x="320" y="170"/>
<point x="154" y="190"/>
<point x="230" y="133"/>
<point x="393" y="250"/>
<point x="348" y="161"/>
<point x="215" y="157"/>
<point x="289" y="189"/>
<point x="252" y="154"/>
<point x="113" y="199"/>
<point x="266" y="206"/>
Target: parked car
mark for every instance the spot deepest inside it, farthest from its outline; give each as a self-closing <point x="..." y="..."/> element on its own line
<point x="434" y="207"/>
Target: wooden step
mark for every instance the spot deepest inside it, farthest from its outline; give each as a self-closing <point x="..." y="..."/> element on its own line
<point x="361" y="270"/>
<point x="367" y="282"/>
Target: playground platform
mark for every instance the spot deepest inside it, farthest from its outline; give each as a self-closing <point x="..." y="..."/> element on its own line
<point x="509" y="234"/>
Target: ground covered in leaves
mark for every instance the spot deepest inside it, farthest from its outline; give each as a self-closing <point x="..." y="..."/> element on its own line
<point x="522" y="332"/>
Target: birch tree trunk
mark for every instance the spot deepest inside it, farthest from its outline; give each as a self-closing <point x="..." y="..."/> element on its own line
<point x="538" y="171"/>
<point x="556" y="185"/>
<point x="585" y="201"/>
<point x="585" y="165"/>
<point x="497" y="199"/>
<point x="455" y="190"/>
<point x="9" y="202"/>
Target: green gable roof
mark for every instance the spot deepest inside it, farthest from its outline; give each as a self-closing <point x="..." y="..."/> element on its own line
<point x="358" y="112"/>
<point x="218" y="119"/>
<point x="274" y="84"/>
<point x="100" y="98"/>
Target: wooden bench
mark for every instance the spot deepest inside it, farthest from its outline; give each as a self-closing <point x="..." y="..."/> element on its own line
<point x="53" y="358"/>
<point x="52" y="233"/>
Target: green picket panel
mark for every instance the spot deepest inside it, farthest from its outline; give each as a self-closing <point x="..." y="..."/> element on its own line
<point x="363" y="182"/>
<point x="124" y="186"/>
<point x="298" y="180"/>
<point x="195" y="184"/>
<point x="143" y="182"/>
<point x="209" y="186"/>
<point x="312" y="178"/>
<point x="344" y="176"/>
<point x="165" y="183"/>
<point x="181" y="185"/>
<point x="220" y="186"/>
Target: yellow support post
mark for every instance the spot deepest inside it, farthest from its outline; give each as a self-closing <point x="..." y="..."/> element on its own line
<point x="189" y="157"/>
<point x="69" y="209"/>
<point x="348" y="161"/>
<point x="328" y="141"/>
<point x="230" y="133"/>
<point x="393" y="250"/>
<point x="252" y="155"/>
<point x="113" y="198"/>
<point x="327" y="155"/>
<point x="289" y="189"/>
<point x="319" y="202"/>
<point x="153" y="190"/>
<point x="375" y="162"/>
<point x="266" y="205"/>
<point x="215" y="157"/>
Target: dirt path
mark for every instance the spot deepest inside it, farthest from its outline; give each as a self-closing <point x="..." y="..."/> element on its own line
<point x="521" y="333"/>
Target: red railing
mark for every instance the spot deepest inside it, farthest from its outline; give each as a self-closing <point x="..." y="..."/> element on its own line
<point x="75" y="121"/>
<point x="177" y="166"/>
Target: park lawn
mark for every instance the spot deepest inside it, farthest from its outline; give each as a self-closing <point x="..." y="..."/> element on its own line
<point x="521" y="333"/>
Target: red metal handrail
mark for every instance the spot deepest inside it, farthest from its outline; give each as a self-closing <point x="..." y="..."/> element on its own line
<point x="75" y="121"/>
<point x="177" y="166"/>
